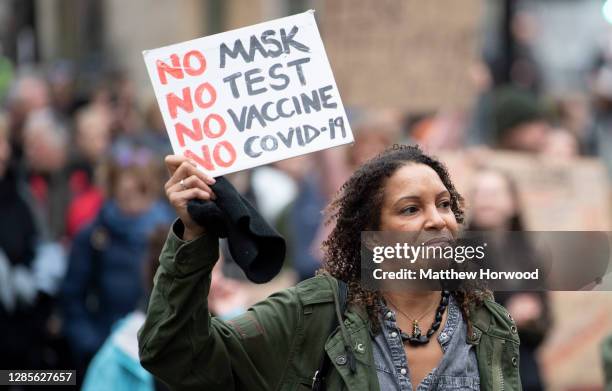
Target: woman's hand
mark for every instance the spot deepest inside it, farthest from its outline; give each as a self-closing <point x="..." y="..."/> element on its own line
<point x="187" y="182"/>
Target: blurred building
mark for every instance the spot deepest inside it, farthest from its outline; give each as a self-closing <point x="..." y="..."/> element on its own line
<point x="111" y="34"/>
<point x="108" y="35"/>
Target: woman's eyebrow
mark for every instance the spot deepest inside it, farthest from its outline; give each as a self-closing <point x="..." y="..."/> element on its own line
<point x="407" y="198"/>
<point x="417" y="198"/>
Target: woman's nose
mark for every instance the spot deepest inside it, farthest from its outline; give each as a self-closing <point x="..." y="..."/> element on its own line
<point x="433" y="220"/>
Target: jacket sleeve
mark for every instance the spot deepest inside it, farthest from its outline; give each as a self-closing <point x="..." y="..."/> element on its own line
<point x="187" y="348"/>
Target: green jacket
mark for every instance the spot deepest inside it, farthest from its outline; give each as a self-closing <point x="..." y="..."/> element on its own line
<point x="278" y="344"/>
<point x="606" y="355"/>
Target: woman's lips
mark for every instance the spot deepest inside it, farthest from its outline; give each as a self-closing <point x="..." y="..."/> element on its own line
<point x="442" y="241"/>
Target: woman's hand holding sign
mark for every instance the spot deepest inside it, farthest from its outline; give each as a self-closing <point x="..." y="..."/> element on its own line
<point x="187" y="182"/>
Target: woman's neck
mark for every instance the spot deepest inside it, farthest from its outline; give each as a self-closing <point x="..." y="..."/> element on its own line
<point x="413" y="303"/>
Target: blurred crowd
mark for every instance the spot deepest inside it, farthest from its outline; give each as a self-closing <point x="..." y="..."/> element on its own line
<point x="83" y="216"/>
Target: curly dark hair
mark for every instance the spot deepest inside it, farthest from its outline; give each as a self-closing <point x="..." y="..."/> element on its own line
<point x="357" y="207"/>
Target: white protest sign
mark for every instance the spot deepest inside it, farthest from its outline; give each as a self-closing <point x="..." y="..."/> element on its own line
<point x="250" y="96"/>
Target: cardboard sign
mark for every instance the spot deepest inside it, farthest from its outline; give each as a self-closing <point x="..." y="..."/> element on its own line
<point x="411" y="55"/>
<point x="250" y="96"/>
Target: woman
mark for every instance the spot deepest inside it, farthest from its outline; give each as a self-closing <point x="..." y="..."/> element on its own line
<point x="496" y="208"/>
<point x="281" y="342"/>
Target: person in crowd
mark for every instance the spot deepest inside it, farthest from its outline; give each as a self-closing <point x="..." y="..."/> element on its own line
<point x="92" y="135"/>
<point x="46" y="144"/>
<point x="301" y="337"/>
<point x="103" y="281"/>
<point x="519" y="121"/>
<point x="66" y="100"/>
<point x="20" y="330"/>
<point x="25" y="304"/>
<point x="495" y="206"/>
<point x="92" y="139"/>
<point x="28" y="93"/>
<point x="128" y="119"/>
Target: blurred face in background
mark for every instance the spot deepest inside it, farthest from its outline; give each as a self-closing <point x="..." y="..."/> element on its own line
<point x="45" y="143"/>
<point x="561" y="144"/>
<point x="93" y="133"/>
<point x="132" y="180"/>
<point x="132" y="193"/>
<point x="373" y="133"/>
<point x="492" y="203"/>
<point x="367" y="146"/>
<point x="61" y="85"/>
<point x="529" y="137"/>
<point x="28" y="94"/>
<point x="31" y="93"/>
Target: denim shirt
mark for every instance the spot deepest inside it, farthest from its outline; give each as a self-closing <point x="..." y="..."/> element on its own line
<point x="457" y="370"/>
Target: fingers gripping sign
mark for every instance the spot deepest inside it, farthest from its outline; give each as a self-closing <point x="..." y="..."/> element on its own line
<point x="187" y="182"/>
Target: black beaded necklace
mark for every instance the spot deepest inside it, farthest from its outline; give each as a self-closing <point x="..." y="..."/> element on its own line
<point x="417" y="338"/>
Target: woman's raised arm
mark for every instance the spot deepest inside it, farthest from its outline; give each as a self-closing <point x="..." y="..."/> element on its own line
<point x="180" y="342"/>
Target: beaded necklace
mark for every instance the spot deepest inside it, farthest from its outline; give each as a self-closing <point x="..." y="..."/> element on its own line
<point x="416" y="338"/>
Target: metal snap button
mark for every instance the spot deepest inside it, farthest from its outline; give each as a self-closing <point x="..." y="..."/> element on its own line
<point x="513" y="329"/>
<point x="341" y="360"/>
<point x="514" y="361"/>
<point x="359" y="347"/>
<point x="443" y="336"/>
<point x="393" y="334"/>
<point x="403" y="371"/>
<point x="389" y="315"/>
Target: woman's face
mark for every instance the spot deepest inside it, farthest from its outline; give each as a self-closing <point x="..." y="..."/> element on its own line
<point x="415" y="200"/>
<point x="492" y="204"/>
<point x="132" y="198"/>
